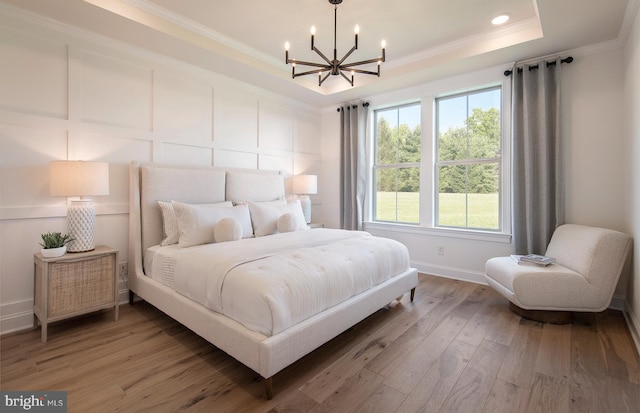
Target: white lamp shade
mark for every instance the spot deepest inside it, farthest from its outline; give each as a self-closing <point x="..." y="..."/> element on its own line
<point x="305" y="184"/>
<point x="78" y="178"/>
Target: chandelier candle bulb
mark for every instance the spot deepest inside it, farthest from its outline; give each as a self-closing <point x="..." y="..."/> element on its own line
<point x="356" y="30"/>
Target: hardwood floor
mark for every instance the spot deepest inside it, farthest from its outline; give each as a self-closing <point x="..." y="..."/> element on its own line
<point x="457" y="348"/>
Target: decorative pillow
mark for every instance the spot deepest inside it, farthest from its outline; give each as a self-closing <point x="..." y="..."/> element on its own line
<point x="169" y="224"/>
<point x="265" y="217"/>
<point x="287" y="223"/>
<point x="196" y="222"/>
<point x="227" y="229"/>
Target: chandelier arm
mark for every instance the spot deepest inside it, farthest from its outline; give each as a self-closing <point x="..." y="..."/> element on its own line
<point x="366" y="72"/>
<point x="362" y="62"/>
<point x="303" y="63"/>
<point x="347" y="55"/>
<point x="346" y="78"/>
<point x="325" y="58"/>
<point x="322" y="79"/>
<point x="311" y="72"/>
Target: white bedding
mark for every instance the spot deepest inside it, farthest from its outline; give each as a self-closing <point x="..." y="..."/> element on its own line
<point x="292" y="279"/>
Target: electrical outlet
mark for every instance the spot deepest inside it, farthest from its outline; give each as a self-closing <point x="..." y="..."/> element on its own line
<point x="123" y="269"/>
<point x="440" y="250"/>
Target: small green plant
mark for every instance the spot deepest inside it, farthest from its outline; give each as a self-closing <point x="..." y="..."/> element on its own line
<point x="54" y="240"/>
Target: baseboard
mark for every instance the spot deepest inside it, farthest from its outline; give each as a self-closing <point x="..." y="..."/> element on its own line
<point x="18" y="316"/>
<point x="450" y="272"/>
<point x="617" y="303"/>
<point x="633" y="323"/>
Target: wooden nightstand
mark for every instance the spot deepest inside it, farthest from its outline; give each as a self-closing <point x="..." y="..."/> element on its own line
<point x="74" y="284"/>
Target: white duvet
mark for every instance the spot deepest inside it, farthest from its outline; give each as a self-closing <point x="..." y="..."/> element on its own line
<point x="271" y="283"/>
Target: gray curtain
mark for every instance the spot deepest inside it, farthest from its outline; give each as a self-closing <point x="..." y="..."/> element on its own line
<point x="538" y="185"/>
<point x="353" y="125"/>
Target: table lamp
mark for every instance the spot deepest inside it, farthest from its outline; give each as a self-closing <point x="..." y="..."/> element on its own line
<point x="79" y="178"/>
<point x="303" y="186"/>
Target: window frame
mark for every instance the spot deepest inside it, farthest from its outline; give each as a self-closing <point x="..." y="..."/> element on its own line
<point x="426" y="95"/>
<point x="394" y="166"/>
<point x="466" y="162"/>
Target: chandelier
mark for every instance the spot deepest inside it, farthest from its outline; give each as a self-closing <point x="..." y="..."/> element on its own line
<point x="334" y="66"/>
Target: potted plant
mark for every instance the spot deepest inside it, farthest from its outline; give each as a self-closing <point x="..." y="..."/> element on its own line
<point x="54" y="244"/>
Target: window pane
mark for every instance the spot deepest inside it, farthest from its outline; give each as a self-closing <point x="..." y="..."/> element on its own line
<point x="409" y="195"/>
<point x="398" y="195"/>
<point x="386" y="137"/>
<point x="484" y="124"/>
<point x="452" y="197"/>
<point x="452" y="130"/>
<point x="484" y="199"/>
<point x="409" y="134"/>
<point x="386" y="202"/>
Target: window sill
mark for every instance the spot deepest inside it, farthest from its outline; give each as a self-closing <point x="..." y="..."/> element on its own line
<point x="439" y="232"/>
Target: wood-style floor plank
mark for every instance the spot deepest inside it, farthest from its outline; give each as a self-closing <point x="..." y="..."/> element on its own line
<point x="458" y="347"/>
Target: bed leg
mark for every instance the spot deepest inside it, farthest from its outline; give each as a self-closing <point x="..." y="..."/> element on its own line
<point x="268" y="387"/>
<point x="413" y="293"/>
<point x="131" y="297"/>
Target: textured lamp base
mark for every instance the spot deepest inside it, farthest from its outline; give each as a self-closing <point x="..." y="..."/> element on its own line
<point x="305" y="202"/>
<point x="81" y="221"/>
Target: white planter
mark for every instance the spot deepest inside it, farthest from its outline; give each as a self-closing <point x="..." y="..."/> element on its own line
<point x="53" y="252"/>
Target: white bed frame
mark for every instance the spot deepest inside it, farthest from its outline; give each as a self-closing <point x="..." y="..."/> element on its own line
<point x="150" y="182"/>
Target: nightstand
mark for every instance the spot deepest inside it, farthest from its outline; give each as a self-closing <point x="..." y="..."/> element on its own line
<point x="74" y="284"/>
<point x="315" y="225"/>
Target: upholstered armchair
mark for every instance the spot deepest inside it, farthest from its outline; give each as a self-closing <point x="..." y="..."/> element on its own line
<point x="588" y="264"/>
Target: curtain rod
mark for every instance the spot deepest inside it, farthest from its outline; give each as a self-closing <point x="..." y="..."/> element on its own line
<point x="550" y="63"/>
<point x="364" y="105"/>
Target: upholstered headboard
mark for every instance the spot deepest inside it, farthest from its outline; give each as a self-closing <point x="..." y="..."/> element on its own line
<point x="152" y="182"/>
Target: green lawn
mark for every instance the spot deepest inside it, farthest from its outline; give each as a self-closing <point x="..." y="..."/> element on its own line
<point x="482" y="213"/>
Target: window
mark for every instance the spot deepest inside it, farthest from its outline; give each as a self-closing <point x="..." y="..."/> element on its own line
<point x="397" y="164"/>
<point x="468" y="160"/>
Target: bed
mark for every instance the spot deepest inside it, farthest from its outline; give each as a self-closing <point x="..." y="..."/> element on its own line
<point x="268" y="297"/>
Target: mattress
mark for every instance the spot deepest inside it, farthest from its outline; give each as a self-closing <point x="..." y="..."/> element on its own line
<point x="269" y="284"/>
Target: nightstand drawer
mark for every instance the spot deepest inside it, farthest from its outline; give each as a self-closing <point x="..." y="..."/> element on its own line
<point x="80" y="285"/>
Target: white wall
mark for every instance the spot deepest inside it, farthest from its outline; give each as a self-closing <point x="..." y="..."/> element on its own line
<point x="66" y="94"/>
<point x="632" y="132"/>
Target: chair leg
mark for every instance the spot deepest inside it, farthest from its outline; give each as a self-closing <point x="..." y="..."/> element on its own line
<point x="268" y="387"/>
<point x="543" y="316"/>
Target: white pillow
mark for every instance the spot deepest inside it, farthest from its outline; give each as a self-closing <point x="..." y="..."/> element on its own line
<point x="196" y="222"/>
<point x="169" y="224"/>
<point x="227" y="229"/>
<point x="287" y="223"/>
<point x="170" y="230"/>
<point x="265" y="217"/>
